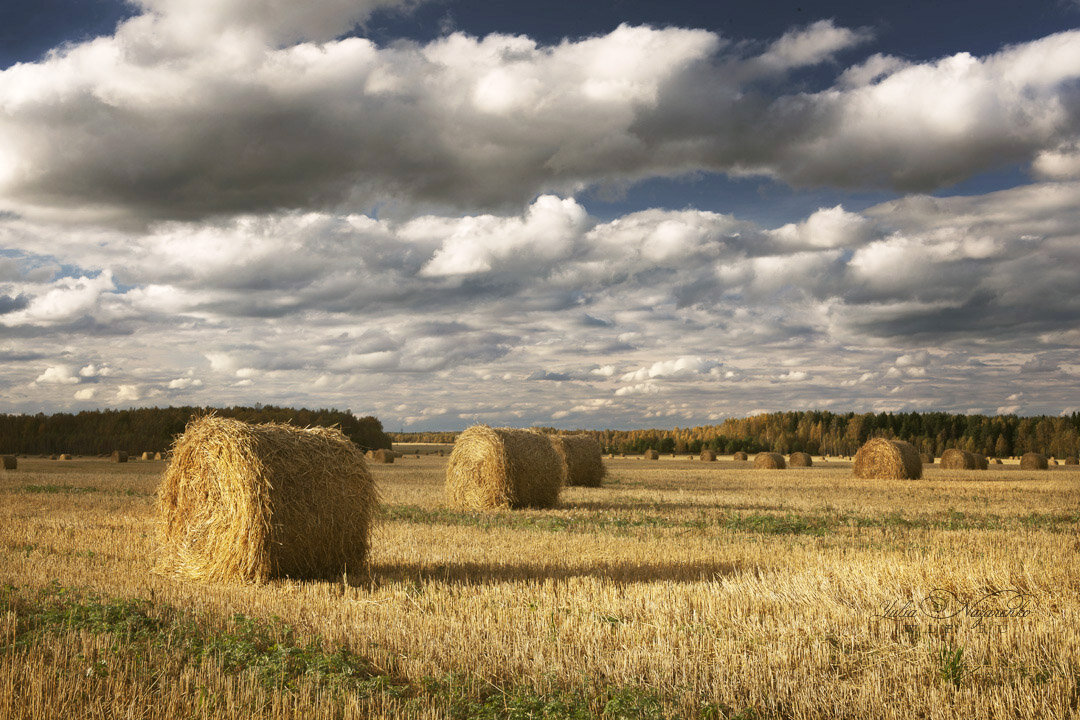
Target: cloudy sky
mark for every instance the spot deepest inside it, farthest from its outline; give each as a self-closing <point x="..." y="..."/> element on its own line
<point x="611" y="214"/>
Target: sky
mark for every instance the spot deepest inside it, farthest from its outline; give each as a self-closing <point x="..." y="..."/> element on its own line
<point x="608" y="214"/>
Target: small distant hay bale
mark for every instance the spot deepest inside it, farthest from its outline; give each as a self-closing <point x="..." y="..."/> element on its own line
<point x="800" y="459"/>
<point x="249" y="503"/>
<point x="1072" y="460"/>
<point x="981" y="462"/>
<point x="503" y="468"/>
<point x="382" y="456"/>
<point x="927" y="458"/>
<point x="158" y="456"/>
<point x="740" y="456"/>
<point x="119" y="456"/>
<point x="769" y="461"/>
<point x="582" y="457"/>
<point x="64" y="456"/>
<point x="652" y="455"/>
<point x="1034" y="461"/>
<point x="10" y="462"/>
<point x="147" y="456"/>
<point x="708" y="456"/>
<point x="956" y="459"/>
<point x="883" y="459"/>
<point x="1053" y="462"/>
<point x="997" y="461"/>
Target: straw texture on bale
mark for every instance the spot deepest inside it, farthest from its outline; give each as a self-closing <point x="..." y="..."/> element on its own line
<point x="954" y="459"/>
<point x="652" y="455"/>
<point x="887" y="460"/>
<point x="1034" y="461"/>
<point x="382" y="456"/>
<point x="582" y="457"/>
<point x="503" y="468"/>
<point x="119" y="456"/>
<point x="740" y="456"/>
<point x="708" y="456"/>
<point x="249" y="503"/>
<point x="65" y="456"/>
<point x="800" y="459"/>
<point x="770" y="461"/>
<point x="10" y="462"/>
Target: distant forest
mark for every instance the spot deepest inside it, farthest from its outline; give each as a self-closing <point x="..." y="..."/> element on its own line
<point x="99" y="432"/>
<point x="826" y="433"/>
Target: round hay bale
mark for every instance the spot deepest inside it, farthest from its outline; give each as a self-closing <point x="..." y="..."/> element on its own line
<point x="1034" y="461"/>
<point x="147" y="456"/>
<point x="954" y="459"/>
<point x="65" y="456"/>
<point x="1072" y="460"/>
<point x="769" y="461"/>
<point x="248" y="503"/>
<point x="884" y="459"/>
<point x="981" y="462"/>
<point x="740" y="456"/>
<point x="927" y="458"/>
<point x="503" y="468"/>
<point x="800" y="459"/>
<point x="582" y="457"/>
<point x="708" y="456"/>
<point x="119" y="456"/>
<point x="1053" y="462"/>
<point x="652" y="455"/>
<point x="10" y="462"/>
<point x="159" y="456"/>
<point x="383" y="457"/>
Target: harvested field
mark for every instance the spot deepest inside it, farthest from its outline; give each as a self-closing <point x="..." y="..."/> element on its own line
<point x="680" y="589"/>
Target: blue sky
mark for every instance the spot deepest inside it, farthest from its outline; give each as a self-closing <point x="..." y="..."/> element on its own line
<point x="582" y="214"/>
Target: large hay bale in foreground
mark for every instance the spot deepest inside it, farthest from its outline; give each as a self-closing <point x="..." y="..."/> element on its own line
<point x="652" y="455"/>
<point x="10" y="462"/>
<point x="884" y="459"/>
<point x="800" y="459"/>
<point x="582" y="457"/>
<point x="1034" y="461"/>
<point x="955" y="459"/>
<point x="503" y="468"/>
<point x="119" y="456"/>
<point x="248" y="503"/>
<point x="708" y="456"/>
<point x="770" y="461"/>
<point x="740" y="456"/>
<point x="383" y="457"/>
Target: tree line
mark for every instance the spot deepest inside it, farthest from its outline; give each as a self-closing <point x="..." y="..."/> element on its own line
<point x="841" y="434"/>
<point x="137" y="430"/>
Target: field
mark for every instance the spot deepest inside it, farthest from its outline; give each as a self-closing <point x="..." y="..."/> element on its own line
<point x="680" y="589"/>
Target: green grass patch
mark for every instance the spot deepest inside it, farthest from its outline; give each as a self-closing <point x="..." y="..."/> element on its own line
<point x="825" y="522"/>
